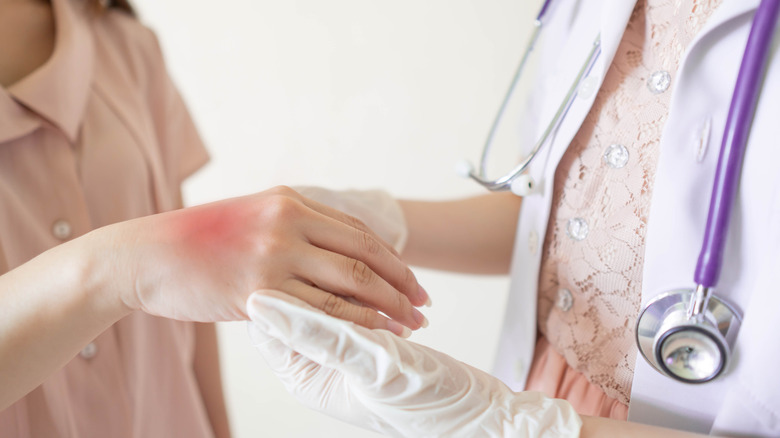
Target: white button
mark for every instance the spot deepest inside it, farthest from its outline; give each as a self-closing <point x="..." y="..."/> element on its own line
<point x="659" y="81"/>
<point x="89" y="351"/>
<point x="616" y="156"/>
<point x="564" y="300"/>
<point x="61" y="229"/>
<point x="577" y="228"/>
<point x="533" y="242"/>
<point x="587" y="87"/>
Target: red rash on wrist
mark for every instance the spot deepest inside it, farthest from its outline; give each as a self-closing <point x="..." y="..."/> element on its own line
<point x="208" y="225"/>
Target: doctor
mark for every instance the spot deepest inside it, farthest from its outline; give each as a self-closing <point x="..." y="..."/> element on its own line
<point x="615" y="218"/>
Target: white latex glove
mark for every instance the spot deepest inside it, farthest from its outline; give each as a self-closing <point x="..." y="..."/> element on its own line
<point x="376" y="380"/>
<point x="376" y="208"/>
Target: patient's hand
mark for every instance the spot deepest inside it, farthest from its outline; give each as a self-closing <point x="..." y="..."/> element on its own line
<point x="201" y="263"/>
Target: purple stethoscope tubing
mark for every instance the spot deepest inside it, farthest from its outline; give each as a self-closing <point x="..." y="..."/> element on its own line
<point x="543" y="10"/>
<point x="735" y="135"/>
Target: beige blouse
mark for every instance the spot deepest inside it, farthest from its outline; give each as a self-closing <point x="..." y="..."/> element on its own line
<point x="96" y="135"/>
<point x="590" y="279"/>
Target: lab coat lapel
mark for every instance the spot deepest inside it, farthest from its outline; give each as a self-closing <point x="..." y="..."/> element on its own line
<point x="751" y="406"/>
<point x="726" y="12"/>
<point x="613" y="19"/>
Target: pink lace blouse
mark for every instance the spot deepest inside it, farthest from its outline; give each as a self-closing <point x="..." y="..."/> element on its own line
<point x="590" y="279"/>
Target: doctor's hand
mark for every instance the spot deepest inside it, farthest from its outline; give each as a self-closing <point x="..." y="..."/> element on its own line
<point x="376" y="208"/>
<point x="201" y="263"/>
<point x="376" y="380"/>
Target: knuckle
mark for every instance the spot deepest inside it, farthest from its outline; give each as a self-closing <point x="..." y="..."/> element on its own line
<point x="283" y="191"/>
<point x="364" y="316"/>
<point x="402" y="304"/>
<point x="361" y="274"/>
<point x="333" y="305"/>
<point x="354" y="222"/>
<point x="368" y="245"/>
<point x="280" y="209"/>
<point x="409" y="280"/>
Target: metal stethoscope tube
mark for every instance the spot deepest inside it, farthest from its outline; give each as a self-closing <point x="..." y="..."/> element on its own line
<point x="506" y="181"/>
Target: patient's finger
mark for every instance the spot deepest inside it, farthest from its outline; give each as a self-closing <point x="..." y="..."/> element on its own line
<point x="369" y="250"/>
<point x="350" y="278"/>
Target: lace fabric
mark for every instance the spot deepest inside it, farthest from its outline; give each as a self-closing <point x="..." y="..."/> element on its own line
<point x="590" y="280"/>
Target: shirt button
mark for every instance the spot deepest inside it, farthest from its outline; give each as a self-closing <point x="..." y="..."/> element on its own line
<point x="89" y="351"/>
<point x="659" y="81"/>
<point x="577" y="229"/>
<point x="533" y="242"/>
<point x="616" y="156"/>
<point x="587" y="87"/>
<point x="61" y="229"/>
<point x="564" y="300"/>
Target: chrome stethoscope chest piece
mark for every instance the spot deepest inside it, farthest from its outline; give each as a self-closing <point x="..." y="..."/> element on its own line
<point x="689" y="348"/>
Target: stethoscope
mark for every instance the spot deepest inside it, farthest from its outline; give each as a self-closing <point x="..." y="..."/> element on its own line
<point x="686" y="334"/>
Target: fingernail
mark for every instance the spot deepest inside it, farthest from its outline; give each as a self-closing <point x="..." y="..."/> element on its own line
<point x="399" y="329"/>
<point x="424" y="297"/>
<point x="420" y="318"/>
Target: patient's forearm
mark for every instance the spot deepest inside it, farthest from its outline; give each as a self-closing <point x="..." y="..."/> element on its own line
<point x="52" y="307"/>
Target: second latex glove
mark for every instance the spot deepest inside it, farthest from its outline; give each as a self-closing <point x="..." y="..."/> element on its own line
<point x="376" y="208"/>
<point x="376" y="380"/>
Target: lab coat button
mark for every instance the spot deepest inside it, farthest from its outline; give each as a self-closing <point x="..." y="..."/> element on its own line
<point x="61" y="229"/>
<point x="587" y="87"/>
<point x="564" y="300"/>
<point x="659" y="81"/>
<point x="89" y="351"/>
<point x="616" y="156"/>
<point x="577" y="229"/>
<point x="533" y="242"/>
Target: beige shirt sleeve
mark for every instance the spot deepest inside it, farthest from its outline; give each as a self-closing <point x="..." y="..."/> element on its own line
<point x="96" y="135"/>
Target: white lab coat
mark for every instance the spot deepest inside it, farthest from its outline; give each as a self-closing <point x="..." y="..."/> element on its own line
<point x="747" y="400"/>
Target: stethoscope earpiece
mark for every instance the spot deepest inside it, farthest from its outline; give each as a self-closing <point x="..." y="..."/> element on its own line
<point x="464" y="168"/>
<point x="523" y="185"/>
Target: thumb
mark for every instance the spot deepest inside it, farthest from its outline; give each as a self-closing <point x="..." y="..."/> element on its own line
<point x="302" y="377"/>
<point x="362" y="355"/>
<point x="283" y="360"/>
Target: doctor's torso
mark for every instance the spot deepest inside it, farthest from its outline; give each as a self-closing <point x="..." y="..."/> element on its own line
<point x="700" y="92"/>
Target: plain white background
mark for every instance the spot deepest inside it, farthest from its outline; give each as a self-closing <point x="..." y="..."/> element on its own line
<point x="343" y="94"/>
